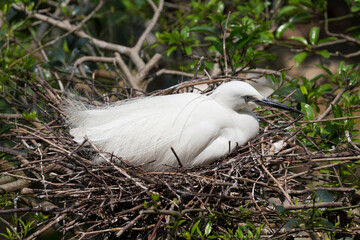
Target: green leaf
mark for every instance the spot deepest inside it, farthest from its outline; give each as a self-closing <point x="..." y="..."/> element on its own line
<point x="300" y="57"/>
<point x="325" y="53"/>
<point x="58" y="55"/>
<point x="279" y="208"/>
<point x="287" y="10"/>
<point x="354" y="9"/>
<point x="170" y="50"/>
<point x="341" y="68"/>
<point x="188" y="50"/>
<point x="208" y="228"/>
<point x="299" y="39"/>
<point x="30" y="116"/>
<point x="304" y="90"/>
<point x="329" y="224"/>
<point x="309" y="113"/>
<point x="325" y="40"/>
<point x="299" y="17"/>
<point x="281" y="29"/>
<point x="324" y="88"/>
<point x="325" y="69"/>
<point x="291" y="223"/>
<point x="314" y="35"/>
<point x="185" y="32"/>
<point x="324" y="196"/>
<point x="220" y="7"/>
<point x="286" y="90"/>
<point x="204" y="29"/>
<point x="194" y="227"/>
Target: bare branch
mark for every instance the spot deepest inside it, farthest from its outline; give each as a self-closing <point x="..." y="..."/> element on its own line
<point x="224" y="44"/>
<point x="126" y="71"/>
<point x="157" y="11"/>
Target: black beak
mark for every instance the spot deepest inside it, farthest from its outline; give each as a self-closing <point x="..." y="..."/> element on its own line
<point x="270" y="103"/>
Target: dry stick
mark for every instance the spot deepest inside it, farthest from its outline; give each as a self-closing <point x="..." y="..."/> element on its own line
<point x="330" y="119"/>
<point x="276" y="181"/>
<point x="198" y="67"/>
<point x="8" y="116"/>
<point x="130" y="224"/>
<point x="224" y="44"/>
<point x="286" y="98"/>
<point x="258" y="208"/>
<point x="173" y="72"/>
<point x="207" y="74"/>
<point x="314" y="205"/>
<point x="340" y="35"/>
<point x="37" y="209"/>
<point x="8" y="225"/>
<point x="83" y="234"/>
<point x="268" y="71"/>
<point x="287" y="196"/>
<point x="49" y="225"/>
<point x="12" y="152"/>
<point x="116" y="167"/>
<point x="340" y="183"/>
<point x="317" y="168"/>
<point x="124" y="68"/>
<point x="329" y="189"/>
<point x="187" y="84"/>
<point x="336" y="99"/>
<point x="81" y="60"/>
<point x="150" y="25"/>
<point x="156" y="227"/>
<point x="348" y="138"/>
<point x="176" y="156"/>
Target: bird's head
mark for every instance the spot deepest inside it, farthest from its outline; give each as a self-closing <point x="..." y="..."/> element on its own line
<point x="240" y="95"/>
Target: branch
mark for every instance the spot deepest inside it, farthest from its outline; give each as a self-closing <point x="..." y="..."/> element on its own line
<point x="336" y="99"/>
<point x="72" y="30"/>
<point x="145" y="71"/>
<point x="151" y="25"/>
<point x="132" y="52"/>
<point x="224" y="44"/>
<point x="126" y="70"/>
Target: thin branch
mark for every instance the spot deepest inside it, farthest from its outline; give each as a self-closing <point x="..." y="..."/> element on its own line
<point x="130" y="224"/>
<point x="336" y="99"/>
<point x="125" y="70"/>
<point x="224" y="44"/>
<point x="157" y="11"/>
<point x="198" y="67"/>
<point x="72" y="30"/>
<point x="123" y="172"/>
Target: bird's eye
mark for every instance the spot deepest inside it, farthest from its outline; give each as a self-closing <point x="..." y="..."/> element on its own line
<point x="247" y="98"/>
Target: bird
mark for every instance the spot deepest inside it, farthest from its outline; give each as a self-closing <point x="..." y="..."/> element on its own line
<point x="167" y="132"/>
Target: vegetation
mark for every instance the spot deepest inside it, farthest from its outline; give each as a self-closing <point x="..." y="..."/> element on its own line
<point x="110" y="50"/>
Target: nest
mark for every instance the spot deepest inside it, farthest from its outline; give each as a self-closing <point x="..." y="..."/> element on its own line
<point x="276" y="186"/>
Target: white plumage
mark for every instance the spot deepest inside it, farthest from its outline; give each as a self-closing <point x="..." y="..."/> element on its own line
<point x="200" y="128"/>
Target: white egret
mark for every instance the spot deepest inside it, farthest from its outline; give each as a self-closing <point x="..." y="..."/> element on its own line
<point x="187" y="129"/>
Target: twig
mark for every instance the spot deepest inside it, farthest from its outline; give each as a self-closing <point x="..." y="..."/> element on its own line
<point x="49" y="225"/>
<point x="176" y="156"/>
<point x="348" y="138"/>
<point x="70" y="31"/>
<point x="130" y="224"/>
<point x="116" y="167"/>
<point x="314" y="205"/>
<point x="224" y="44"/>
<point x="286" y="195"/>
<point x="336" y="99"/>
<point x="198" y="67"/>
<point x="151" y="24"/>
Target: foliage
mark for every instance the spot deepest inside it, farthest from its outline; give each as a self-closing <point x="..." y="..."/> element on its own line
<point x="242" y="35"/>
